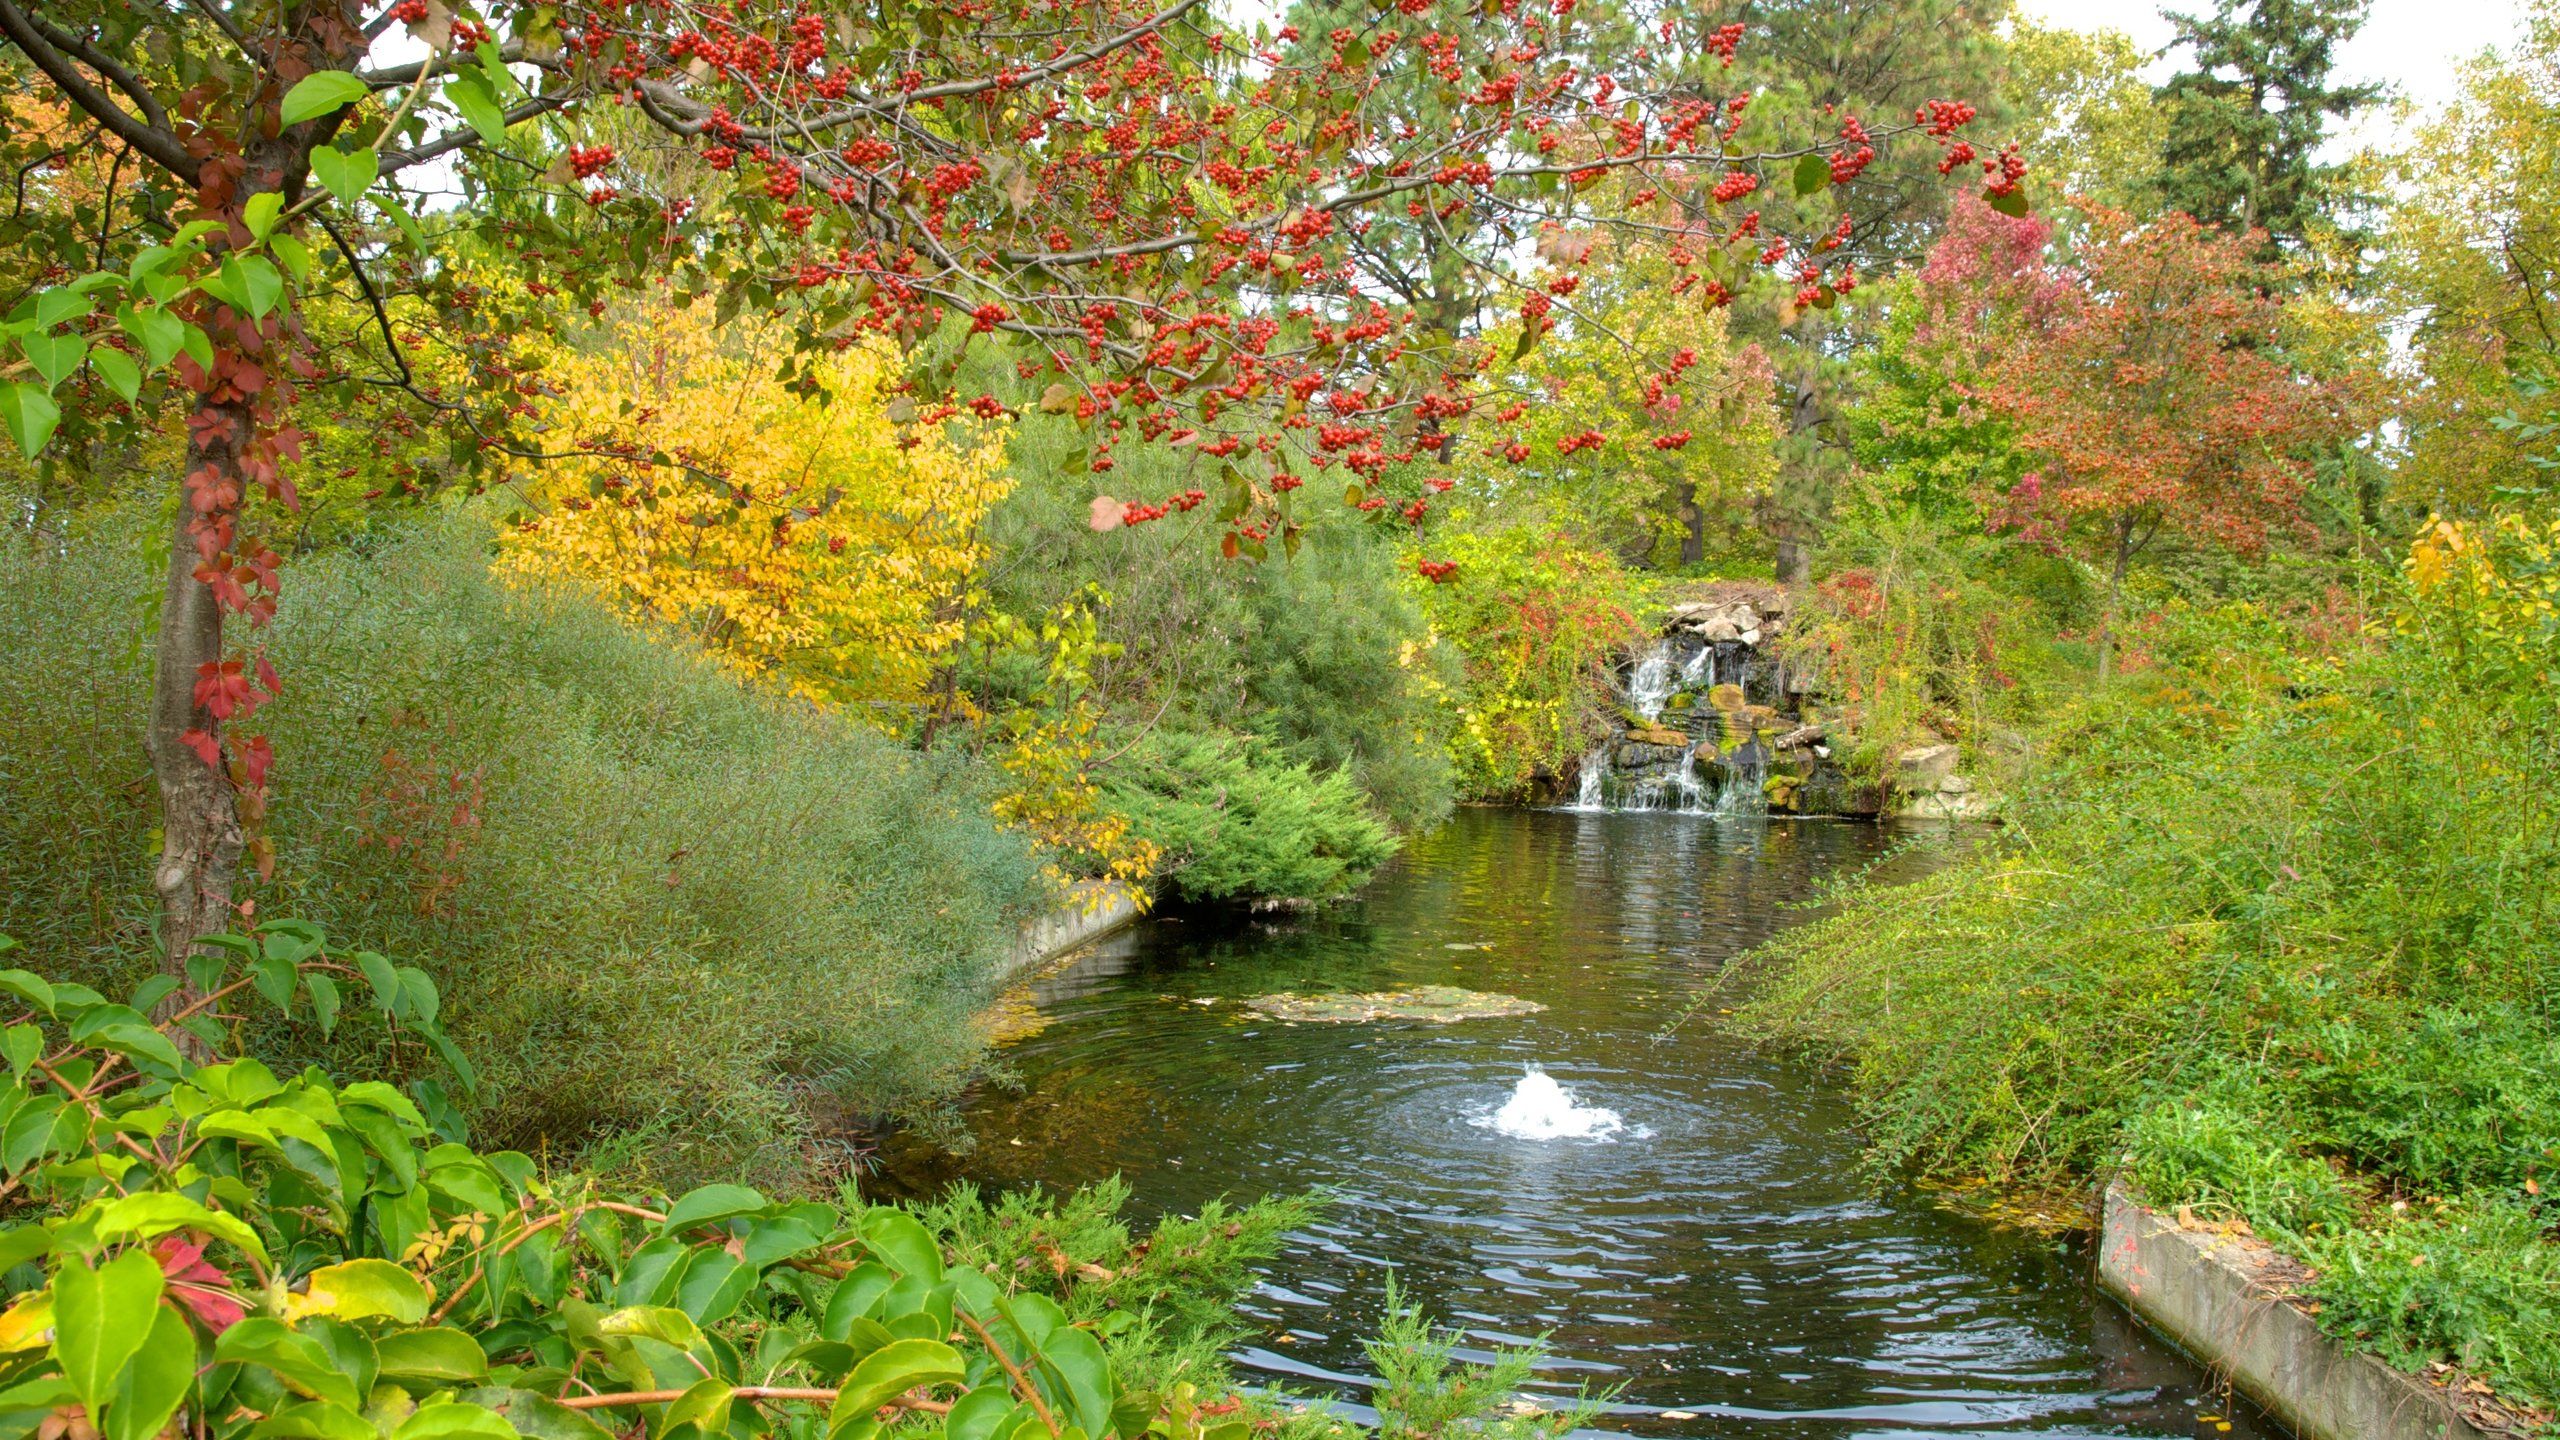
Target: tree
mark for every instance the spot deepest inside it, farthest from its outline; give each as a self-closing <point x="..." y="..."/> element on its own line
<point x="1155" y="208"/>
<point x="812" y="543"/>
<point x="1682" y="446"/>
<point x="2083" y="103"/>
<point x="2150" y="385"/>
<point x="2471" y="255"/>
<point x="2244" y="122"/>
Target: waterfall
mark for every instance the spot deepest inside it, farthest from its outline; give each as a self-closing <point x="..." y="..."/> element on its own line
<point x="1650" y="684"/>
<point x="1593" y="794"/>
<point x="1745" y="794"/>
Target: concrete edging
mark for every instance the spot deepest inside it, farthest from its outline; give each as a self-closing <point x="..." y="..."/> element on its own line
<point x="2216" y="1296"/>
<point x="1094" y="908"/>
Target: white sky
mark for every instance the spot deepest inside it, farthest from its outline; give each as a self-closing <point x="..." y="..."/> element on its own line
<point x="2412" y="45"/>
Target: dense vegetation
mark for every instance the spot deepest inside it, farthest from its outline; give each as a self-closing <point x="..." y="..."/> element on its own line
<point x="686" y="530"/>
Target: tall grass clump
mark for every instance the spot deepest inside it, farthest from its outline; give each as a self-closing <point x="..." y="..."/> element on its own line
<point x="672" y="917"/>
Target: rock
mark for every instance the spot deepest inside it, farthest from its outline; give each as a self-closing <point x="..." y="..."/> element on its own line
<point x="1726" y="697"/>
<point x="1918" y="771"/>
<point x="1967" y="806"/>
<point x="1658" y="735"/>
<point x="1955" y="785"/>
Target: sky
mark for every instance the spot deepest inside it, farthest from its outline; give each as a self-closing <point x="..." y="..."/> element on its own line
<point x="2414" y="45"/>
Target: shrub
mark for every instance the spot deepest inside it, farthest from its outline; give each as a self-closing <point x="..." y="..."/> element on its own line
<point x="661" y="904"/>
<point x="1237" y="822"/>
<point x="227" y="1252"/>
<point x="1538" y="621"/>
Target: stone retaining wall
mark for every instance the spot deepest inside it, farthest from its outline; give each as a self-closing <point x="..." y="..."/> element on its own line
<point x="2220" y="1297"/>
<point x="1093" y="909"/>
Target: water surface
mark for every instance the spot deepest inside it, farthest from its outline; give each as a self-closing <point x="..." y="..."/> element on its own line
<point x="1719" y="1258"/>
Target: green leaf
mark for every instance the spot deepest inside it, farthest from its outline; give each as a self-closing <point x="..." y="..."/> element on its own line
<point x="2012" y="202"/>
<point x="139" y="1042"/>
<point x="891" y="1371"/>
<point x="121" y="374"/>
<point x="974" y="1416"/>
<point x="255" y="277"/>
<point x="273" y="976"/>
<point x="320" y="92"/>
<point x="324" y="999"/>
<point x="314" y="1420"/>
<point x="710" y="1203"/>
<point x="25" y="1242"/>
<point x="155" y="1213"/>
<point x="456" y="1421"/>
<point x="345" y="174"/>
<point x="435" y="1356"/>
<point x="101" y="1318"/>
<point x="408" y="225"/>
<point x="713" y="1285"/>
<point x="23" y="1044"/>
<point x="1813" y="173"/>
<point x="657" y="1322"/>
<point x="1078" y="1359"/>
<point x="298" y="1360"/>
<point x="292" y="254"/>
<point x="364" y="1290"/>
<point x="59" y="304"/>
<point x="705" y="1407"/>
<point x="261" y="212"/>
<point x="385" y="979"/>
<point x="29" y="987"/>
<point x="537" y="1417"/>
<point x="780" y="1238"/>
<point x="417" y="996"/>
<point x="29" y="1133"/>
<point x="901" y="1240"/>
<point x="198" y="348"/>
<point x="853" y="1298"/>
<point x="54" y="356"/>
<point x="469" y="93"/>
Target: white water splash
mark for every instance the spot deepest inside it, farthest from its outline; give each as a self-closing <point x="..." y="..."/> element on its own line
<point x="1541" y="1109"/>
<point x="1650" y="684"/>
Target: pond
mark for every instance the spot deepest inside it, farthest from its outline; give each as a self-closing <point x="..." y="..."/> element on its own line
<point x="1716" y="1254"/>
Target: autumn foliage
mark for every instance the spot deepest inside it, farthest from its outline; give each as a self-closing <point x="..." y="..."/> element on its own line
<point x="2147" y="376"/>
<point x="817" y="542"/>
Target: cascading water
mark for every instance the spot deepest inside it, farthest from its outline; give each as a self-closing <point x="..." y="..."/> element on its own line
<point x="1671" y="668"/>
<point x="1650" y="684"/>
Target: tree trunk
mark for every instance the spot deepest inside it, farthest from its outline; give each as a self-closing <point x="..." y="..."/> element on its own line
<point x="2115" y="597"/>
<point x="201" y="839"/>
<point x="1693" y="525"/>
<point x="1791" y="519"/>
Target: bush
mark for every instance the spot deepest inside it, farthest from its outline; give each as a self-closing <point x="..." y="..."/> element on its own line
<point x="662" y="905"/>
<point x="1322" y="653"/>
<point x="1237" y="822"/>
<point x="221" y="1252"/>
<point x="2275" y="931"/>
<point x="1539" y="622"/>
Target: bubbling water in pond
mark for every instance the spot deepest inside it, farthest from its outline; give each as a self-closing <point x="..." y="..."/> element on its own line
<point x="1711" y="1253"/>
<point x="1542" y="1109"/>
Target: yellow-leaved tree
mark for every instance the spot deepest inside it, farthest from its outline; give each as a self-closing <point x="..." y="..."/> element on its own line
<point x="831" y="545"/>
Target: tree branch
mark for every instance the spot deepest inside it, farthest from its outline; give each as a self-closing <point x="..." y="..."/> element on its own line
<point x="158" y="145"/>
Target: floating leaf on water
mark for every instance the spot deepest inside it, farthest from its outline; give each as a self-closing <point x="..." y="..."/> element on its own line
<point x="1439" y="1004"/>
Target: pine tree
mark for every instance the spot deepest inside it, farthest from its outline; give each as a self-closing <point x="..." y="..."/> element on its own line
<point x="2245" y="120"/>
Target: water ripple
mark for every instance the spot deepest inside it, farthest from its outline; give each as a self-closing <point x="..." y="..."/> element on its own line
<point x="1720" y="1259"/>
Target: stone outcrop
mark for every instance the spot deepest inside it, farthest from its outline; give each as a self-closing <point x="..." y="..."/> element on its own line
<point x="1713" y="718"/>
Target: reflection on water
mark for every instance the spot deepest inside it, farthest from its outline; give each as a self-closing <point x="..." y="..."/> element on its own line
<point x="1718" y="1256"/>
